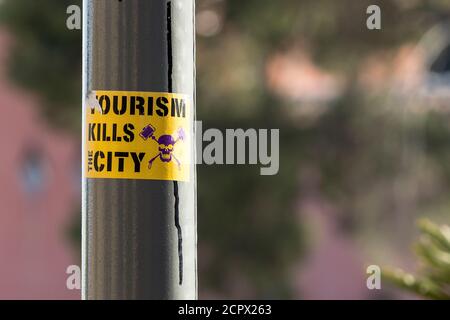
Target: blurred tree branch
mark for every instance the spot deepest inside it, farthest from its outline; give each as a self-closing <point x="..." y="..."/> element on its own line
<point x="433" y="251"/>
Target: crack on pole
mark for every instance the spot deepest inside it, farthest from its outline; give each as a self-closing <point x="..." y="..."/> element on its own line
<point x="179" y="231"/>
<point x="169" y="46"/>
<point x="175" y="183"/>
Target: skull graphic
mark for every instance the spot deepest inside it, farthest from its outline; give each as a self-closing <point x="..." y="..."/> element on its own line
<point x="166" y="145"/>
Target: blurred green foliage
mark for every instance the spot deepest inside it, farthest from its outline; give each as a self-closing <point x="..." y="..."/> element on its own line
<point x="47" y="56"/>
<point x="433" y="251"/>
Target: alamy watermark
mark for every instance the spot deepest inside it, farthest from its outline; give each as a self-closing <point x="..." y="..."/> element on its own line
<point x="374" y="279"/>
<point x="239" y="146"/>
<point x="73" y="21"/>
<point x="374" y="20"/>
<point x="73" y="281"/>
<point x="231" y="146"/>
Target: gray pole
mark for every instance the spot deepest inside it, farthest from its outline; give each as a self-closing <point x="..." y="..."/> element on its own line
<point x="139" y="235"/>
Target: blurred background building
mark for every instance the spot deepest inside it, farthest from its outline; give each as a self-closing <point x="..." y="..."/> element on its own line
<point x="40" y="187"/>
<point x="363" y="118"/>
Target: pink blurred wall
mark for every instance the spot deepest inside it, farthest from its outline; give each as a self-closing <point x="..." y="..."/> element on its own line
<point x="36" y="211"/>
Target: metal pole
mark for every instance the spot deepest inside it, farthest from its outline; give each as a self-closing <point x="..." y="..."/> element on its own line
<point x="139" y="234"/>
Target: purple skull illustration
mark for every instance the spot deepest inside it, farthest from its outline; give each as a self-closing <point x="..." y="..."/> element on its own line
<point x="166" y="145"/>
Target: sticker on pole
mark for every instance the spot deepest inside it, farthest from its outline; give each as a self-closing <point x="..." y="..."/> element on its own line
<point x="138" y="135"/>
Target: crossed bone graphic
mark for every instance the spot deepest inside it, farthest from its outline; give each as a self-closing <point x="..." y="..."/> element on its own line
<point x="166" y="144"/>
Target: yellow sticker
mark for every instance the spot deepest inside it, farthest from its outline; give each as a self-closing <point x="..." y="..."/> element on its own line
<point x="138" y="135"/>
